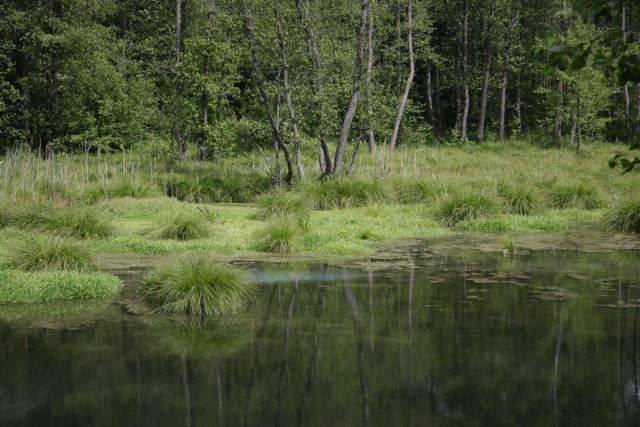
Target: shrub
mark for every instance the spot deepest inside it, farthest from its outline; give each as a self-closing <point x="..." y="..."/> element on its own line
<point x="181" y="225"/>
<point x="80" y="222"/>
<point x="18" y="287"/>
<point x="282" y="235"/>
<point x="343" y="192"/>
<point x="577" y="196"/>
<point x="49" y="253"/>
<point x="625" y="217"/>
<point x="520" y="200"/>
<point x="197" y="286"/>
<point x="461" y="207"/>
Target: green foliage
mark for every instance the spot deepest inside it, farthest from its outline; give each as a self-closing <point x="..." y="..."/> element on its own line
<point x="343" y="192"/>
<point x="461" y="207"/>
<point x="520" y="200"/>
<point x="44" y="252"/>
<point x="181" y="225"/>
<point x="625" y="217"/>
<point x="81" y="222"/>
<point x="17" y="287"/>
<point x="197" y="286"/>
<point x="577" y="196"/>
<point x="281" y="235"/>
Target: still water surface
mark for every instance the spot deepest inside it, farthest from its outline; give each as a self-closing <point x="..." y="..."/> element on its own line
<point x="547" y="338"/>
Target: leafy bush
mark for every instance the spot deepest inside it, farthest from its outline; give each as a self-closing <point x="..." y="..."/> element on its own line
<point x="520" y="200"/>
<point x="577" y="196"/>
<point x="17" y="287"/>
<point x="197" y="286"/>
<point x="281" y="235"/>
<point x="462" y="207"/>
<point x="181" y="225"/>
<point x="625" y="217"/>
<point x="39" y="252"/>
<point x="343" y="192"/>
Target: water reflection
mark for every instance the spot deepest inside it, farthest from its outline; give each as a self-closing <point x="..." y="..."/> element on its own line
<point x="548" y="338"/>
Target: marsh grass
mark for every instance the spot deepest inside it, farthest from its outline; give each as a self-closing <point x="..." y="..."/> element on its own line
<point x="198" y="286"/>
<point x="281" y="235"/>
<point x="44" y="252"/>
<point x="115" y="189"/>
<point x="18" y="286"/>
<point x="180" y="225"/>
<point x="423" y="190"/>
<point x="461" y="207"/>
<point x="575" y="196"/>
<point x="344" y="192"/>
<point x="625" y="217"/>
<point x="519" y="199"/>
<point x="279" y="203"/>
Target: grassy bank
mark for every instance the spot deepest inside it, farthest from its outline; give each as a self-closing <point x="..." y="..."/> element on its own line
<point x="127" y="203"/>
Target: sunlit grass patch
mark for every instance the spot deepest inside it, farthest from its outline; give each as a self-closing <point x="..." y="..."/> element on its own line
<point x="43" y="286"/>
<point x="279" y="203"/>
<point x="180" y="225"/>
<point x="45" y="252"/>
<point x="197" y="286"/>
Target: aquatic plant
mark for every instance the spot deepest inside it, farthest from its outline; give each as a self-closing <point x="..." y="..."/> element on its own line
<point x="520" y="200"/>
<point x="508" y="248"/>
<point x="578" y="196"/>
<point x="43" y="286"/>
<point x="197" y="286"/>
<point x="180" y="225"/>
<point x="461" y="207"/>
<point x="43" y="252"/>
<point x="281" y="235"/>
<point x="625" y="217"/>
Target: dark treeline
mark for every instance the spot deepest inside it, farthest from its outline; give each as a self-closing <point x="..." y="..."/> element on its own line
<point x="225" y="76"/>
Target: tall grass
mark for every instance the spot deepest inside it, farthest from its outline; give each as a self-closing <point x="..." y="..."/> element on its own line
<point x="281" y="235"/>
<point x="576" y="196"/>
<point x="625" y="217"/>
<point x="44" y="252"/>
<point x="197" y="286"/>
<point x="180" y="225"/>
<point x="279" y="203"/>
<point x="344" y="192"/>
<point x="461" y="207"/>
<point x="520" y="199"/>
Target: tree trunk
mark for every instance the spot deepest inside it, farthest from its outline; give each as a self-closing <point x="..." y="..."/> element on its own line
<point x="505" y="75"/>
<point x="46" y="135"/>
<point x="407" y="88"/>
<point x="398" y="48"/>
<point x="487" y="75"/>
<point x="519" y="103"/>
<point x="324" y="156"/>
<point x="355" y="95"/>
<point x="574" y="128"/>
<point x="287" y="91"/>
<point x="371" y="133"/>
<point x="259" y="81"/>
<point x="438" y="101"/>
<point x="557" y="130"/>
<point x="637" y="108"/>
<point x="177" y="118"/>
<point x="465" y="76"/>
<point x="430" y="115"/>
<point x="627" y="95"/>
<point x="204" y="107"/>
<point x="355" y="154"/>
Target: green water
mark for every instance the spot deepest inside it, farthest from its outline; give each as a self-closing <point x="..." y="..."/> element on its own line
<point x="547" y="338"/>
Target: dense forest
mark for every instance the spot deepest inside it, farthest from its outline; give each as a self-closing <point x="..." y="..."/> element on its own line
<point x="218" y="77"/>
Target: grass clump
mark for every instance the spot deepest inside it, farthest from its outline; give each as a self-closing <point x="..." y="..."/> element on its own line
<point x="576" y="196"/>
<point x="117" y="189"/>
<point x="520" y="200"/>
<point x="18" y="287"/>
<point x="343" y="192"/>
<point x="279" y="203"/>
<point x="181" y="225"/>
<point x="80" y="222"/>
<point x="625" y="217"/>
<point x="421" y="191"/>
<point x="37" y="252"/>
<point x="281" y="235"/>
<point x="197" y="286"/>
<point x="461" y="207"/>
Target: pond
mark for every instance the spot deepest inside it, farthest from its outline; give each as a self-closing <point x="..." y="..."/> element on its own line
<point x="542" y="338"/>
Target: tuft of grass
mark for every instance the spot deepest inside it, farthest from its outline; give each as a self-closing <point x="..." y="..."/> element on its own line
<point x="197" y="286"/>
<point x="81" y="222"/>
<point x="520" y="200"/>
<point x="625" y="217"/>
<point x="461" y="207"/>
<point x="17" y="287"/>
<point x="41" y="252"/>
<point x="29" y="214"/>
<point x="280" y="202"/>
<point x="422" y="191"/>
<point x="281" y="235"/>
<point x="508" y="248"/>
<point x="119" y="188"/>
<point x="343" y="192"/>
<point x="181" y="225"/>
<point x="576" y="196"/>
